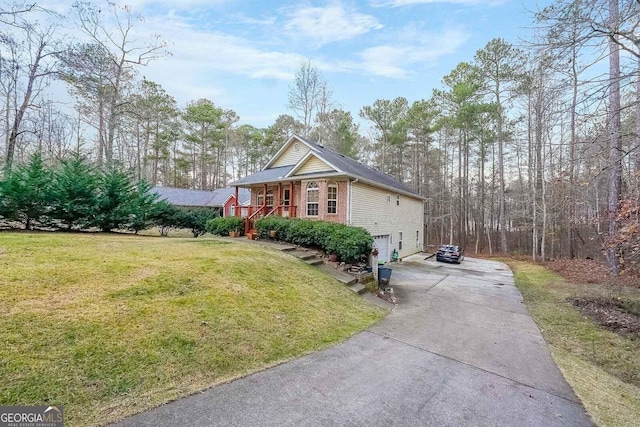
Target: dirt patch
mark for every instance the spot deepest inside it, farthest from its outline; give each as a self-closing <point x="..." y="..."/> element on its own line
<point x="588" y="271"/>
<point x="617" y="315"/>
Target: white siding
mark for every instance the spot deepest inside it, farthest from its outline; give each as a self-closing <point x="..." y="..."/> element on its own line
<point x="314" y="164"/>
<point x="376" y="210"/>
<point x="290" y="156"/>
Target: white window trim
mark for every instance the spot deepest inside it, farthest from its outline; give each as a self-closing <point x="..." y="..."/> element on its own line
<point x="332" y="185"/>
<point x="317" y="190"/>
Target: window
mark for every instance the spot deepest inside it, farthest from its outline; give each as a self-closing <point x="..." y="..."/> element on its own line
<point x="388" y="198"/>
<point x="400" y="241"/>
<point x="313" y="197"/>
<point x="260" y="198"/>
<point x="417" y="238"/>
<point x="332" y="199"/>
<point x="397" y="200"/>
<point x="270" y="198"/>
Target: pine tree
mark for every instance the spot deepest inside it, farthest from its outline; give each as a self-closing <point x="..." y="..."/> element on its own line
<point x="113" y="207"/>
<point x="26" y="193"/>
<point x="74" y="193"/>
<point x="142" y="207"/>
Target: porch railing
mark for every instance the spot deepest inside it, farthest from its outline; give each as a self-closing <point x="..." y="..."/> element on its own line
<point x="253" y="213"/>
<point x="286" y="211"/>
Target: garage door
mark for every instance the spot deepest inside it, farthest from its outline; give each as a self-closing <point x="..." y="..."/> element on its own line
<point x="382" y="243"/>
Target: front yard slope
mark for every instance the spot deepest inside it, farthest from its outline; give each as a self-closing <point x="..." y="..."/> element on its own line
<point x="110" y="325"/>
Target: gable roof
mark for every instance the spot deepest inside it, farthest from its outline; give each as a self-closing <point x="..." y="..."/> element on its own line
<point x="358" y="170"/>
<point x="200" y="198"/>
<point x="342" y="164"/>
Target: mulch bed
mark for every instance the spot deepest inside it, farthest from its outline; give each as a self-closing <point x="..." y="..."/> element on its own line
<point x="585" y="271"/>
<point x="610" y="313"/>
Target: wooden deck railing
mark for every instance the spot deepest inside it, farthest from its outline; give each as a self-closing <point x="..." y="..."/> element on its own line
<point x="253" y="213"/>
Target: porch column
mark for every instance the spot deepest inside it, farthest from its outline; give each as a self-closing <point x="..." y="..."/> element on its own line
<point x="291" y="200"/>
<point x="264" y="199"/>
<point x="279" y="201"/>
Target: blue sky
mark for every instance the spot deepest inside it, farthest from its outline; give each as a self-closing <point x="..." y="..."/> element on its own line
<point x="243" y="54"/>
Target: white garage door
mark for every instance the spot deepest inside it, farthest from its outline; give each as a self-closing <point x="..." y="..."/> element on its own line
<point x="382" y="243"/>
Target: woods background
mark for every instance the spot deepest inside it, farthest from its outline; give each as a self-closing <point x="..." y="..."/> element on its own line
<point x="533" y="149"/>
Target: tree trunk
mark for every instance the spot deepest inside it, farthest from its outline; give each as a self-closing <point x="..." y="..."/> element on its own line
<point x="615" y="143"/>
<point x="501" y="194"/>
<point x="17" y="120"/>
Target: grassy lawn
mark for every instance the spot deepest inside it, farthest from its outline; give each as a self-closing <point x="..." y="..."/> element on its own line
<point x="602" y="366"/>
<point x="110" y="325"/>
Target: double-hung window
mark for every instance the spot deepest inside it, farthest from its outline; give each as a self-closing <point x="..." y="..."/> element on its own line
<point x="332" y="199"/>
<point x="313" y="198"/>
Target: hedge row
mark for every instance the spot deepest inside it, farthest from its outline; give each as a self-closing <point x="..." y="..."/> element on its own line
<point x="351" y="244"/>
<point x="75" y="195"/>
<point x="223" y="226"/>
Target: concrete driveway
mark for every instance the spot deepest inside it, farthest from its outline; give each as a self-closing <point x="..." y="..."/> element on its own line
<point x="459" y="349"/>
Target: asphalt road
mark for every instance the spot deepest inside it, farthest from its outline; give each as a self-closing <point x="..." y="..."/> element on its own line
<point x="459" y="349"/>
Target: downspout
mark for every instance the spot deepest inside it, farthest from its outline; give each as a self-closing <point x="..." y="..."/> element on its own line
<point x="350" y="200"/>
<point x="236" y="204"/>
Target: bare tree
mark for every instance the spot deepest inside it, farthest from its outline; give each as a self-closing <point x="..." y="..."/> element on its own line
<point x="615" y="142"/>
<point x="309" y="95"/>
<point x="29" y="74"/>
<point x="124" y="53"/>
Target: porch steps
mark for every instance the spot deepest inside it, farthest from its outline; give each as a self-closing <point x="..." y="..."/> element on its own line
<point x="312" y="258"/>
<point x="341" y="276"/>
<point x="358" y="288"/>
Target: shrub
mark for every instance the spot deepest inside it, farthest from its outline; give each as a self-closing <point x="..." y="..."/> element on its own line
<point x="349" y="243"/>
<point x="166" y="216"/>
<point x="223" y="226"/>
<point x="196" y="219"/>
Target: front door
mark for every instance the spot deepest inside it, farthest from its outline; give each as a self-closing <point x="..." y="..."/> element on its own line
<point x="286" y="201"/>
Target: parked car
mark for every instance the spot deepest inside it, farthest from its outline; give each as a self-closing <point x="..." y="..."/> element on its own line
<point x="450" y="253"/>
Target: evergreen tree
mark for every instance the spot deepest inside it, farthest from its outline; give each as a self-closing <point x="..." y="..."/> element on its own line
<point x="113" y="203"/>
<point x="166" y="216"/>
<point x="74" y="193"/>
<point x="143" y="206"/>
<point x="26" y="193"/>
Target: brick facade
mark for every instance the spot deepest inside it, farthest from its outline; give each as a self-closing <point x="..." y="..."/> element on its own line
<point x="340" y="216"/>
<point x="299" y="199"/>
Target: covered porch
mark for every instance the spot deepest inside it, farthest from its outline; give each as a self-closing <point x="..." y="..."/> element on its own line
<point x="279" y="199"/>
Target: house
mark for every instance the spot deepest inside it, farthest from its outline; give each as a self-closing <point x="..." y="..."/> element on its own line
<point x="307" y="180"/>
<point x="222" y="200"/>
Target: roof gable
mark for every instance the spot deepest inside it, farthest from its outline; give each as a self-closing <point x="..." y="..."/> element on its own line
<point x="311" y="164"/>
<point x="358" y="170"/>
<point x="290" y="153"/>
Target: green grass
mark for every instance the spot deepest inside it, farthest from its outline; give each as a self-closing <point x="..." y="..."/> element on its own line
<point x="603" y="367"/>
<point x="110" y="325"/>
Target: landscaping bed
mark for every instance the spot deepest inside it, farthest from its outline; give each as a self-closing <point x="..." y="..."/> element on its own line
<point x="614" y="314"/>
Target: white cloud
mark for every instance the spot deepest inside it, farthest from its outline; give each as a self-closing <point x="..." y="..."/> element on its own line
<point x="328" y="24"/>
<point x="201" y="51"/>
<point x="421" y="48"/>
<point x="400" y="3"/>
